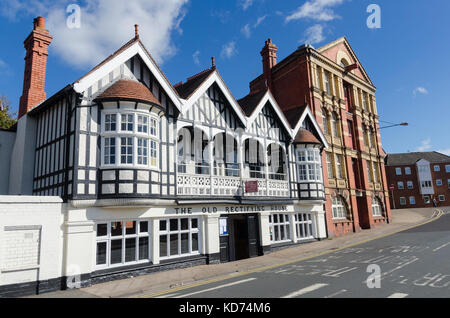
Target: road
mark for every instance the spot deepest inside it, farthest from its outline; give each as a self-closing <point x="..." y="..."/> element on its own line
<point x="414" y="263"/>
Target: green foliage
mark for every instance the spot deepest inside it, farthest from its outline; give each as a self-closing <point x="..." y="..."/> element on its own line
<point x="7" y="119"/>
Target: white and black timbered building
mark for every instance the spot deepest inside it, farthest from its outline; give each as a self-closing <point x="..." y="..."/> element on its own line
<point x="154" y="174"/>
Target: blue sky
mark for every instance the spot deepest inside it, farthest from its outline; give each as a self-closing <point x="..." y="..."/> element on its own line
<point x="407" y="58"/>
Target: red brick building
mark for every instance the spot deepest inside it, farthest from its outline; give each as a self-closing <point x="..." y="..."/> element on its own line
<point x="333" y="83"/>
<point x="419" y="179"/>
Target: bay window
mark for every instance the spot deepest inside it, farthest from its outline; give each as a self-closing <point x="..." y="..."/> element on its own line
<point x="129" y="139"/>
<point x="309" y="165"/>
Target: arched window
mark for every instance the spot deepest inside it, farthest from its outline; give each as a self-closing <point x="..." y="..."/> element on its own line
<point x="192" y="151"/>
<point x="377" y="209"/>
<point x="276" y="162"/>
<point x="254" y="159"/>
<point x="344" y="63"/>
<point x="339" y="208"/>
<point x="226" y="156"/>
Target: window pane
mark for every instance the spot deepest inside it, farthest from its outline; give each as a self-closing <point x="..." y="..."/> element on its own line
<point x="116" y="228"/>
<point x="195" y="242"/>
<point x="116" y="251"/>
<point x="194" y="223"/>
<point x="163" y="245"/>
<point x="130" y="250"/>
<point x="101" y="253"/>
<point x="184" y="224"/>
<point x="163" y="225"/>
<point x="184" y="243"/>
<point x="173" y="244"/>
<point x="130" y="227"/>
<point x="143" y="227"/>
<point x="102" y="229"/>
<point x="282" y="237"/>
<point x="174" y="225"/>
<point x="143" y="248"/>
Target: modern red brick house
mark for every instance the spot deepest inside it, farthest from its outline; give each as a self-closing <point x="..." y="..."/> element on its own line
<point x="333" y="83"/>
<point x="418" y="179"/>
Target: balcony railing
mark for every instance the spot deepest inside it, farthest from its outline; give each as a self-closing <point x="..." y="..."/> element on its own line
<point x="226" y="181"/>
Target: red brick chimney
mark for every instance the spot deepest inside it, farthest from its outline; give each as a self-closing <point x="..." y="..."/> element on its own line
<point x="269" y="60"/>
<point x="36" y="46"/>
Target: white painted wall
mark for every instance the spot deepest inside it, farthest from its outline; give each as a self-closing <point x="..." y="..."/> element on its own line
<point x="22" y="157"/>
<point x="30" y="238"/>
<point x="424" y="174"/>
<point x="7" y="139"/>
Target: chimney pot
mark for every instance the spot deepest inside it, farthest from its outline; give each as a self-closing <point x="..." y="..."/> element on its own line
<point x="39" y="23"/>
<point x="136" y="31"/>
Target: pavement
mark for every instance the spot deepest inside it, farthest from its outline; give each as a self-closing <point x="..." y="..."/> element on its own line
<point x="163" y="282"/>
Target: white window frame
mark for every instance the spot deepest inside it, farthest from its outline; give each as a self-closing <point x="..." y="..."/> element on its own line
<point x="309" y="165"/>
<point x="285" y="224"/>
<point x="151" y="135"/>
<point x="339" y="209"/>
<point x="108" y="238"/>
<point x="436" y="168"/>
<point x="447" y="168"/>
<point x="376" y="208"/>
<point x="439" y="182"/>
<point x="190" y="231"/>
<point x="303" y="223"/>
<point x="410" y="185"/>
<point x="426" y="199"/>
<point x="402" y="201"/>
<point x="441" y="198"/>
<point x="412" y="200"/>
<point x="400" y="185"/>
<point x="398" y="171"/>
<point x="408" y="171"/>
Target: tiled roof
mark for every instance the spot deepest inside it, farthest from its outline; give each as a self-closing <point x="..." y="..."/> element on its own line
<point x="185" y="90"/>
<point x="306" y="137"/>
<point x="250" y="102"/>
<point x="129" y="90"/>
<point x="412" y="157"/>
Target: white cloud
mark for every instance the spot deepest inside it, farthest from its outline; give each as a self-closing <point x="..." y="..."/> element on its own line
<point x="445" y="151"/>
<point x="319" y="10"/>
<point x="229" y="50"/>
<point x="259" y="21"/>
<point x="420" y="90"/>
<point x="314" y="34"/>
<point x="195" y="57"/>
<point x="426" y="145"/>
<point x="245" y="4"/>
<point x="246" y="31"/>
<point x="105" y="26"/>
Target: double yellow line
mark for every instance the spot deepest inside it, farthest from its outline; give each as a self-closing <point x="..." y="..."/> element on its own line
<point x="215" y="280"/>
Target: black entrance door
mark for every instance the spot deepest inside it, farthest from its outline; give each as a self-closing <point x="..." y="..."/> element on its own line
<point x="240" y="239"/>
